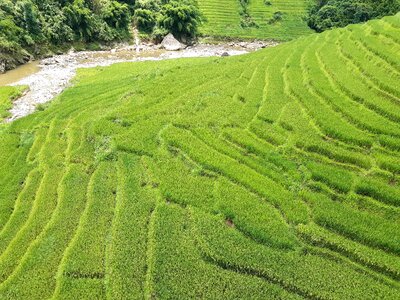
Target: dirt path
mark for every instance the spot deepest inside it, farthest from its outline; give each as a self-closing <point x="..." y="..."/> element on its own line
<point x="56" y="72"/>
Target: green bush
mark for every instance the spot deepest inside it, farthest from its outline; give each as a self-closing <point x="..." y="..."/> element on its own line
<point x="180" y="17"/>
<point x="29" y="25"/>
<point x="276" y="17"/>
<point x="145" y="19"/>
<point x="326" y="14"/>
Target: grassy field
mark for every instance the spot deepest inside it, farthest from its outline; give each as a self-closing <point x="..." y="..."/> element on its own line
<point x="223" y="19"/>
<point x="273" y="175"/>
<point x="7" y="95"/>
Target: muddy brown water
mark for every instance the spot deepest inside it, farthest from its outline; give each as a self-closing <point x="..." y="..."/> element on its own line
<point x="19" y="73"/>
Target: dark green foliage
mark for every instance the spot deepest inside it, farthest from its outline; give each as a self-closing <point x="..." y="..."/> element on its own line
<point x="158" y="18"/>
<point x="145" y="19"/>
<point x="26" y="16"/>
<point x="181" y="17"/>
<point x="116" y="15"/>
<point x="27" y="26"/>
<point x="276" y="17"/>
<point x="246" y="19"/>
<point x="326" y="14"/>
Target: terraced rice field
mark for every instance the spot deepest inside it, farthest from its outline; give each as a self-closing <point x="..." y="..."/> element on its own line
<point x="273" y="175"/>
<point x="223" y="19"/>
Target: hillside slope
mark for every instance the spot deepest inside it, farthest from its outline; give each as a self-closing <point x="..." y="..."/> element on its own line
<point x="271" y="175"/>
<point x="7" y="95"/>
<point x="223" y="19"/>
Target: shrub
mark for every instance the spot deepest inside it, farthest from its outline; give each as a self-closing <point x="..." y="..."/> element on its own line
<point x="145" y="19"/>
<point x="180" y="17"/>
<point x="277" y="16"/>
<point x="339" y="13"/>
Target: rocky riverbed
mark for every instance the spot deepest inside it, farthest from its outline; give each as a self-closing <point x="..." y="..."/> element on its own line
<point x="55" y="73"/>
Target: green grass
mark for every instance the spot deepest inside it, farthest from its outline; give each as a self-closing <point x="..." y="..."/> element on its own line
<point x="223" y="19"/>
<point x="7" y="95"/>
<point x="273" y="175"/>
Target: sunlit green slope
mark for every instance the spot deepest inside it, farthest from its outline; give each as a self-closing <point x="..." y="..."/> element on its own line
<point x="7" y="95"/>
<point x="265" y="176"/>
<point x="223" y="19"/>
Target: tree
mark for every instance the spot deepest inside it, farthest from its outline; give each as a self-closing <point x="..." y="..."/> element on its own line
<point x="80" y="19"/>
<point x="145" y="19"/>
<point x="116" y="14"/>
<point x="326" y="14"/>
<point x="26" y="16"/>
<point x="180" y="17"/>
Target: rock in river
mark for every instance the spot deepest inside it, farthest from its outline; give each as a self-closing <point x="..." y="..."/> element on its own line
<point x="170" y="43"/>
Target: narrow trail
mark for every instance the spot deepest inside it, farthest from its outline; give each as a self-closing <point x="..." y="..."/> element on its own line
<point x="137" y="39"/>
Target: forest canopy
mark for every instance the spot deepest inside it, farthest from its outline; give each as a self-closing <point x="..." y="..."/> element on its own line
<point x="29" y="27"/>
<point x="327" y="14"/>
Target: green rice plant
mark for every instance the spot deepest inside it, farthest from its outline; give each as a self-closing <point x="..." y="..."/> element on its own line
<point x="294" y="210"/>
<point x="378" y="190"/>
<point x="253" y="216"/>
<point x="273" y="102"/>
<point x="377" y="77"/>
<point x="267" y="132"/>
<point x="375" y="259"/>
<point x="43" y="206"/>
<point x="40" y="137"/>
<point x="252" y="144"/>
<point x="357" y="225"/>
<point x="173" y="250"/>
<point x="308" y="272"/>
<point x="372" y="206"/>
<point x="13" y="173"/>
<point x="226" y="19"/>
<point x="386" y="28"/>
<point x="370" y="42"/>
<point x="326" y="87"/>
<point x="388" y="162"/>
<point x="328" y="120"/>
<point x="387" y="141"/>
<point x="273" y="174"/>
<point x="261" y="166"/>
<point x="35" y="275"/>
<point x="127" y="261"/>
<point x="82" y="272"/>
<point x="184" y="182"/>
<point x="23" y="206"/>
<point x="335" y="153"/>
<point x="333" y="176"/>
<point x="356" y="89"/>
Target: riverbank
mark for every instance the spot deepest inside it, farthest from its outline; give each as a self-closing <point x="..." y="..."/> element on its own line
<point x="55" y="73"/>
